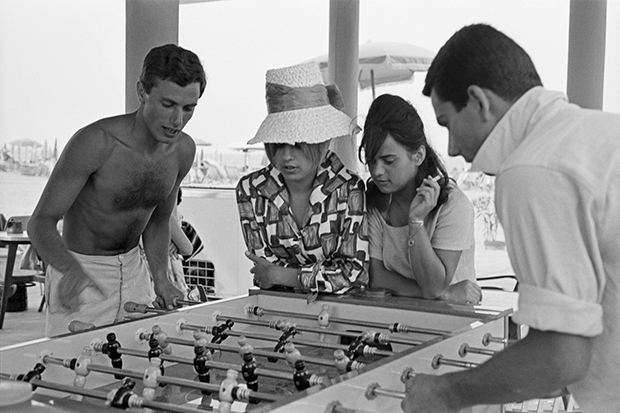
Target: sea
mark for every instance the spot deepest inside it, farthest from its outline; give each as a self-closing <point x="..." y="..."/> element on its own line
<point x="19" y="193"/>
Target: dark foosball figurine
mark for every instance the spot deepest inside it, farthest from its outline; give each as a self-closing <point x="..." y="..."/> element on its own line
<point x="120" y="397"/>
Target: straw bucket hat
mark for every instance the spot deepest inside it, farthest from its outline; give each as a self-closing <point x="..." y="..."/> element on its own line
<point x="301" y="108"/>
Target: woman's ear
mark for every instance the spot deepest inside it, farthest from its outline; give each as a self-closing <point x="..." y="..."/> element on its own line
<point x="420" y="155"/>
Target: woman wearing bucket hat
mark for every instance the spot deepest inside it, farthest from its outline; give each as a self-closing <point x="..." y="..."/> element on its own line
<point x="303" y="216"/>
<point x="421" y="226"/>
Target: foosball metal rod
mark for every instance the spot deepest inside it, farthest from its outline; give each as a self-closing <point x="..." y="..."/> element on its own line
<point x="466" y="349"/>
<point x="275" y="374"/>
<point x="160" y="379"/>
<point x="308" y="329"/>
<point x="132" y="307"/>
<point x="259" y="353"/>
<point x="394" y="327"/>
<point x="439" y="360"/>
<point x="336" y="407"/>
<point x="265" y="337"/>
<point x="375" y="390"/>
<point x="137" y="401"/>
<point x="488" y="338"/>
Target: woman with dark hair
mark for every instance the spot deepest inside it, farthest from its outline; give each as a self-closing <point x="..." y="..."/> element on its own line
<point x="421" y="226"/>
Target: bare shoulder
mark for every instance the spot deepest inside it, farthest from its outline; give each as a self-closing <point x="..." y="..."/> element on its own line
<point x="101" y="134"/>
<point x="186" y="144"/>
<point x="91" y="145"/>
<point x="186" y="150"/>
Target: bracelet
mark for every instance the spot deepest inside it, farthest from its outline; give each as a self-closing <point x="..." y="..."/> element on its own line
<point x="410" y="241"/>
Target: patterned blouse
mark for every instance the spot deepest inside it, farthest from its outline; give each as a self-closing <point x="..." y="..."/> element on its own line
<point x="331" y="248"/>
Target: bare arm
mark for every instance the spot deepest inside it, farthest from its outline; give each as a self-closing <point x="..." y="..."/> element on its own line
<point x="539" y="365"/>
<point x="79" y="160"/>
<point x="177" y="236"/>
<point x="156" y="235"/>
<point x="433" y="268"/>
<point x="381" y="277"/>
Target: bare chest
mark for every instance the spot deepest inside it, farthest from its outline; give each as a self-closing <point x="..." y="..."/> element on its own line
<point x="137" y="183"/>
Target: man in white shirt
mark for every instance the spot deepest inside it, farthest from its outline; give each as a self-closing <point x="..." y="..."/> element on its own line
<point x="557" y="197"/>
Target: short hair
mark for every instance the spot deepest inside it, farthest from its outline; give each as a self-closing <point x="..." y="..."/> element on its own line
<point x="173" y="63"/>
<point x="313" y="151"/>
<point x="483" y="56"/>
<point x="394" y="116"/>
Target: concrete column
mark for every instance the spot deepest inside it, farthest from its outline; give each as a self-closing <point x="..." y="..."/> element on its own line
<point x="343" y="68"/>
<point x="611" y="100"/>
<point x="586" y="53"/>
<point x="149" y="23"/>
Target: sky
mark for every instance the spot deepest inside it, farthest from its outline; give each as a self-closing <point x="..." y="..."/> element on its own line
<point x="62" y="61"/>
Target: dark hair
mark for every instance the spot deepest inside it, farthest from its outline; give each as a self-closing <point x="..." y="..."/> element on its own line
<point x="313" y="151"/>
<point x="179" y="196"/>
<point x="173" y="63"/>
<point x="483" y="56"/>
<point x="393" y="115"/>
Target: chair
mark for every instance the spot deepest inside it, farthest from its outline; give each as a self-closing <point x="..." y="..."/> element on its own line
<point x="233" y="173"/>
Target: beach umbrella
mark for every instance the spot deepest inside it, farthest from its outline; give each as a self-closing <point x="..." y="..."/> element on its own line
<point x="26" y="143"/>
<point x="201" y="142"/>
<point x="384" y="63"/>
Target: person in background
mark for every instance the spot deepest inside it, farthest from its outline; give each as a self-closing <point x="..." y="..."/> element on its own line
<point x="115" y="184"/>
<point x="180" y="245"/>
<point x="557" y="196"/>
<point x="421" y="226"/>
<point x="302" y="216"/>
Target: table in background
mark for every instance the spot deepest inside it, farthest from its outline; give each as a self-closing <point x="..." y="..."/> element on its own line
<point x="12" y="241"/>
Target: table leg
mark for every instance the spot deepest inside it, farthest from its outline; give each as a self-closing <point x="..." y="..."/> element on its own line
<point x="8" y="280"/>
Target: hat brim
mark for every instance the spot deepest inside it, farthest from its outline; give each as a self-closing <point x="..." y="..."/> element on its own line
<point x="311" y="125"/>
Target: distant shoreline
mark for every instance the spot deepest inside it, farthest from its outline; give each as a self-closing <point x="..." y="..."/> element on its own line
<point x="19" y="193"/>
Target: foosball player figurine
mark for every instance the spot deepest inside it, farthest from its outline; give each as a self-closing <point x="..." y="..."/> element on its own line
<point x="162" y="339"/>
<point x="230" y="391"/>
<point x="111" y="349"/>
<point x="35" y="373"/>
<point x="220" y="333"/>
<point x="150" y="380"/>
<point x="80" y="367"/>
<point x="249" y="366"/>
<point x="201" y="360"/>
<point x="156" y="351"/>
<point x="287" y="336"/>
<point x="302" y="377"/>
<point x="358" y="347"/>
<point x="344" y="364"/>
<point x="292" y="354"/>
<point x="119" y="398"/>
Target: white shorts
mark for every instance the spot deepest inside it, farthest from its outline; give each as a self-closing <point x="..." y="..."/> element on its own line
<point x="121" y="278"/>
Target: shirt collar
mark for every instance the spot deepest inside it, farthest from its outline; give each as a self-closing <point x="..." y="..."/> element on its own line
<point x="330" y="175"/>
<point x="513" y="128"/>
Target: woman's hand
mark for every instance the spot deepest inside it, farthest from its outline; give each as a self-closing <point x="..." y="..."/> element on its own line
<point x="465" y="291"/>
<point x="265" y="273"/>
<point x="425" y="199"/>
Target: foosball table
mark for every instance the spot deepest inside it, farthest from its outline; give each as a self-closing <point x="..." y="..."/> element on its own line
<point x="266" y="351"/>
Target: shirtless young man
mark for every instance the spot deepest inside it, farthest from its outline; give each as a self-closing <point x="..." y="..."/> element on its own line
<point x="114" y="185"/>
